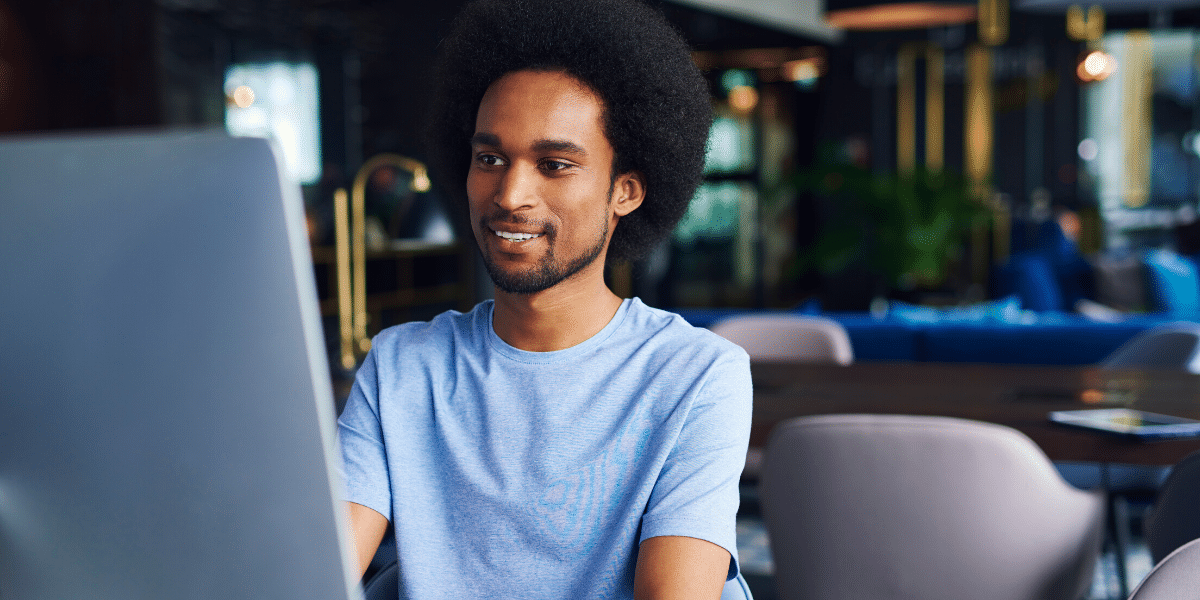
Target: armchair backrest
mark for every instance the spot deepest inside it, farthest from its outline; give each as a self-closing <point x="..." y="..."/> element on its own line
<point x="1176" y="577"/>
<point x="799" y="338"/>
<point x="874" y="507"/>
<point x="1169" y="346"/>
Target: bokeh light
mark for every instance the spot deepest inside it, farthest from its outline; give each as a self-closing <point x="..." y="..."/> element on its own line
<point x="743" y="98"/>
<point x="1096" y="66"/>
<point x="243" y="96"/>
<point x="1088" y="149"/>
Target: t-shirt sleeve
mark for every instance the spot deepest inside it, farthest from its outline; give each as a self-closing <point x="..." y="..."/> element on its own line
<point x="364" y="461"/>
<point x="696" y="494"/>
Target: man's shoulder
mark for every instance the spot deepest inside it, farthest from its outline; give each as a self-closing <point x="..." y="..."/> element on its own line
<point x="668" y="329"/>
<point x="446" y="330"/>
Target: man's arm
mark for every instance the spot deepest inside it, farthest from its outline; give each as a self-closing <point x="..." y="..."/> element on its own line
<point x="367" y="526"/>
<point x="677" y="567"/>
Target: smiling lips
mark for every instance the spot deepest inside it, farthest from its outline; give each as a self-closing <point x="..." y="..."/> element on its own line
<point x="516" y="237"/>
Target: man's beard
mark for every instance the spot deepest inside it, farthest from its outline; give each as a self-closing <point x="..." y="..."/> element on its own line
<point x="548" y="272"/>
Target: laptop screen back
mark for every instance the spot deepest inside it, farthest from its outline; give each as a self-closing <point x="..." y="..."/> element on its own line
<point x="166" y="415"/>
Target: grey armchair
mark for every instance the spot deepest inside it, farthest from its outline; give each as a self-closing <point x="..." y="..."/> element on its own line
<point x="1171" y="346"/>
<point x="785" y="337"/>
<point x="879" y="507"/>
<point x="798" y="338"/>
<point x="1176" y="577"/>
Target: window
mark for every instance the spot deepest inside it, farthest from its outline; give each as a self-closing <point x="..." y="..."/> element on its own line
<point x="278" y="101"/>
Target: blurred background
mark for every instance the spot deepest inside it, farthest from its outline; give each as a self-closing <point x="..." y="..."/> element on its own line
<point x="863" y="152"/>
<point x="989" y="181"/>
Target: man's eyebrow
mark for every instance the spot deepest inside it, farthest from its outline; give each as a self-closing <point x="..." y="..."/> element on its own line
<point x="485" y="139"/>
<point x="559" y="146"/>
<point x="543" y="145"/>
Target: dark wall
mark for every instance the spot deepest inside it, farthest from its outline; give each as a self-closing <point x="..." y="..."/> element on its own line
<point x="397" y="52"/>
<point x="77" y="64"/>
<point x="125" y="63"/>
<point x="1035" y="93"/>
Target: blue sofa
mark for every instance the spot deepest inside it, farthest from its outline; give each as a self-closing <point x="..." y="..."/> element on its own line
<point x="1044" y="339"/>
<point x="1034" y="322"/>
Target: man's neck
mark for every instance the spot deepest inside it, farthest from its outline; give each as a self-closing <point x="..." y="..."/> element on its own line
<point x="555" y="319"/>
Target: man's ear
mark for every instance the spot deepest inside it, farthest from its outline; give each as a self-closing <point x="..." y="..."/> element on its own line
<point x="628" y="192"/>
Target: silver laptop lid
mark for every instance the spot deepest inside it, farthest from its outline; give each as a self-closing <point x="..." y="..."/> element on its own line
<point x="166" y="415"/>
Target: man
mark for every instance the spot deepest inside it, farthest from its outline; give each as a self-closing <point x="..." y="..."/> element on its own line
<point x="557" y="442"/>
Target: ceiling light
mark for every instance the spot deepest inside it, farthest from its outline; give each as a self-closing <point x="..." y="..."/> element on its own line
<point x="905" y="15"/>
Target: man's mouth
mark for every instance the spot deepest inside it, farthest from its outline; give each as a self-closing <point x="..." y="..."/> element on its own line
<point x="516" y="237"/>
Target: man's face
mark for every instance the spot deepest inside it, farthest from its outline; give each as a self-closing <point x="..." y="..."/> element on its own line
<point x="540" y="186"/>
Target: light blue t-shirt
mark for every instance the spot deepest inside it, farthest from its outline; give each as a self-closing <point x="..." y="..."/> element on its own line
<point x="515" y="474"/>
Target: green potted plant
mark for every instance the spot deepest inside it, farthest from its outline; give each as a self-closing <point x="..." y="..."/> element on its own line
<point x="904" y="229"/>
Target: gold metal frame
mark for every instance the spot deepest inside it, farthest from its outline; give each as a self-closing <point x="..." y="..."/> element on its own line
<point x="993" y="22"/>
<point x="978" y="130"/>
<point x="351" y="251"/>
<point x="1087" y="26"/>
<point x="935" y="108"/>
<point x="906" y="106"/>
<point x="978" y="133"/>
<point x="1137" y="95"/>
<point x="341" y="225"/>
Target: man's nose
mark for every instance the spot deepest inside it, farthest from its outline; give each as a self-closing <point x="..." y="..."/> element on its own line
<point x="518" y="189"/>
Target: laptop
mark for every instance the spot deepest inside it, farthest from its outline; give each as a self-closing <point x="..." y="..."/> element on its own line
<point x="166" y="413"/>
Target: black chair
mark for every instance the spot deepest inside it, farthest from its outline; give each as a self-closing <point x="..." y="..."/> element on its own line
<point x="1175" y="518"/>
<point x="384" y="584"/>
<point x="381" y="581"/>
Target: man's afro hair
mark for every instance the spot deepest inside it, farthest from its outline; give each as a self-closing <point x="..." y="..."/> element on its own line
<point x="657" y="108"/>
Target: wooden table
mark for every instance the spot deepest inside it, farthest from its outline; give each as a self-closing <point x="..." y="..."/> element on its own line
<point x="1019" y="396"/>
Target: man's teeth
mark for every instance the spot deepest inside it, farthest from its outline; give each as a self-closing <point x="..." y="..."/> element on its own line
<point x="517" y="237"/>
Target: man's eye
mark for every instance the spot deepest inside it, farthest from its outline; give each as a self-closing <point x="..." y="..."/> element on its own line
<point x="554" y="165"/>
<point x="490" y="160"/>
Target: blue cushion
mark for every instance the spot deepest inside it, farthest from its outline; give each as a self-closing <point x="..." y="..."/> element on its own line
<point x="1051" y="277"/>
<point x="1035" y="283"/>
<point x="1004" y="310"/>
<point x="1174" y="284"/>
